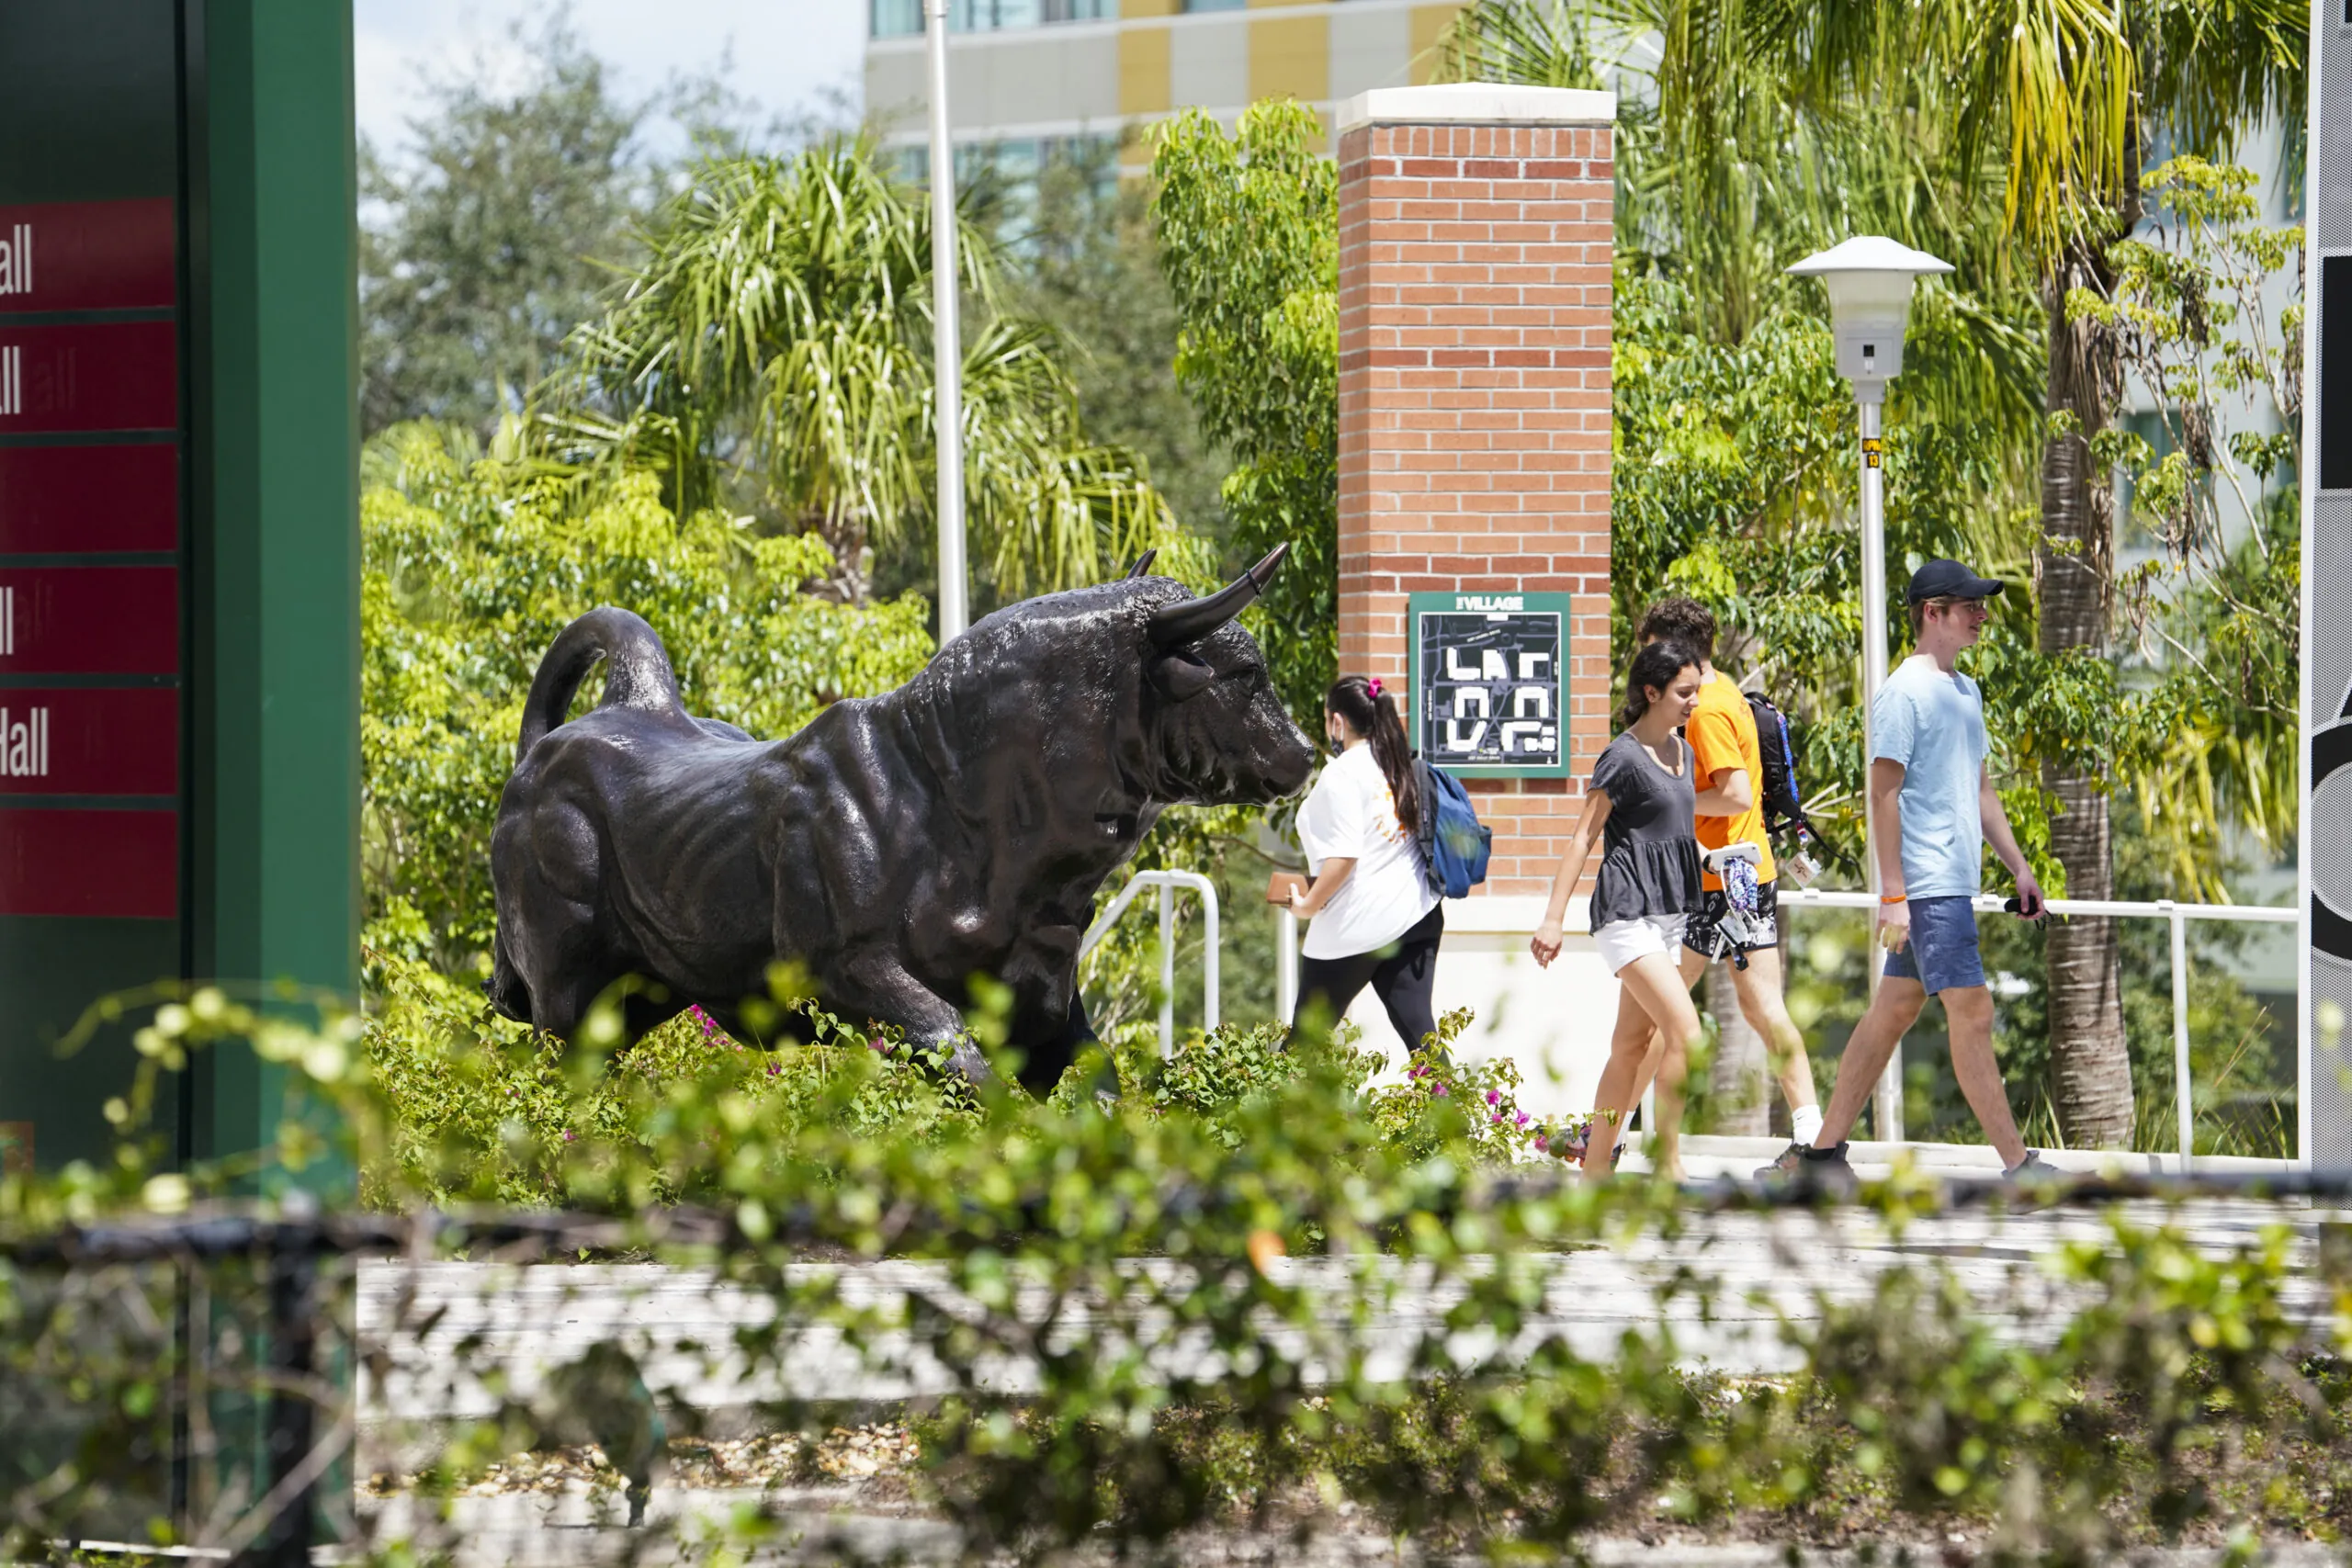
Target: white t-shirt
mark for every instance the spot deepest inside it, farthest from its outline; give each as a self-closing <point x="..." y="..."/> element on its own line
<point x="1352" y="814"/>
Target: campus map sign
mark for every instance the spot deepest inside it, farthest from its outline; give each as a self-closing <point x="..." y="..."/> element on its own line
<point x="92" y="563"/>
<point x="1489" y="689"/>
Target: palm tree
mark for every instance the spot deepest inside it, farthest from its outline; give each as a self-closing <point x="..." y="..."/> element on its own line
<point x="2062" y="99"/>
<point x="777" y="343"/>
<point x="2078" y="92"/>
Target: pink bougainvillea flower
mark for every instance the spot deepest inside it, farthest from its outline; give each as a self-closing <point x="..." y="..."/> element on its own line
<point x="1494" y="1097"/>
<point x="1523" y="1117"/>
<point x="1441" y="1088"/>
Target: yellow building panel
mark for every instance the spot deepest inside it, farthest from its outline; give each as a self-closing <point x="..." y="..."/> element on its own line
<point x="1148" y="8"/>
<point x="1290" y="57"/>
<point x="1143" y="68"/>
<point x="1428" y="21"/>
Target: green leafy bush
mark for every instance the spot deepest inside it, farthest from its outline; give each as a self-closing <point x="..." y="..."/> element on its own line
<point x="1258" y="1309"/>
<point x="474" y="1106"/>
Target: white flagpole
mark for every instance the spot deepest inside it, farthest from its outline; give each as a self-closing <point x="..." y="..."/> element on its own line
<point x="947" y="350"/>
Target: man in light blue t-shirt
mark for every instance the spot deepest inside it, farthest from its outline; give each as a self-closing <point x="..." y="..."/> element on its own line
<point x="1937" y="810"/>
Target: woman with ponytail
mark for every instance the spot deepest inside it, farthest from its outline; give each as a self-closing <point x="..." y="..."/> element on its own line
<point x="1640" y="809"/>
<point x="1373" y="921"/>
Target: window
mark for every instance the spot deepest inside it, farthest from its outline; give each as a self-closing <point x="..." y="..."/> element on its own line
<point x="904" y="18"/>
<point x="1191" y="6"/>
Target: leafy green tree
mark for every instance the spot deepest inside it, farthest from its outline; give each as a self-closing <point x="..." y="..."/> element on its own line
<point x="773" y="352"/>
<point x="1250" y="240"/>
<point x="1085" y="261"/>
<point x="484" y="244"/>
<point x="471" y="567"/>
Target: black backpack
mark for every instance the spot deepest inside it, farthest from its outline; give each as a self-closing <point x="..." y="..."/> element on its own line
<point x="1777" y="792"/>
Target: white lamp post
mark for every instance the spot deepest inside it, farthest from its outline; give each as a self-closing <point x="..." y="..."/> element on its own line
<point x="947" y="346"/>
<point x="1869" y="279"/>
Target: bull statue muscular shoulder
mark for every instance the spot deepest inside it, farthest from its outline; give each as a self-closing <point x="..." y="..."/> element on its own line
<point x="897" y="845"/>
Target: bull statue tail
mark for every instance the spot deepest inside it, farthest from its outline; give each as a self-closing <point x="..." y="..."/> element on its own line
<point x="637" y="674"/>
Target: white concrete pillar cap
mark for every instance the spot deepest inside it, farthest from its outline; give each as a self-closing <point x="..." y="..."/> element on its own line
<point x="1478" y="103"/>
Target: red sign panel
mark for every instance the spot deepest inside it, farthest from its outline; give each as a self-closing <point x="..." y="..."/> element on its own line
<point x="89" y="256"/>
<point x="91" y="620"/>
<point x="119" y="376"/>
<point x="125" y="865"/>
<point x="75" y="499"/>
<point x="89" y="741"/>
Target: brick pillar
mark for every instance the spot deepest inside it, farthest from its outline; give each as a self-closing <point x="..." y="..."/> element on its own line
<point x="1474" y="248"/>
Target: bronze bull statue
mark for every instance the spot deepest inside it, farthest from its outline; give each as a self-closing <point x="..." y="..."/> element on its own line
<point x="897" y="846"/>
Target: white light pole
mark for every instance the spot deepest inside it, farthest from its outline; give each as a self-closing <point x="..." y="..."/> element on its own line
<point x="1870" y="280"/>
<point x="947" y="346"/>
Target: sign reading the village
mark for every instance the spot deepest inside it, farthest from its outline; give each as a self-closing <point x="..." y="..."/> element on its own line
<point x="1489" y="686"/>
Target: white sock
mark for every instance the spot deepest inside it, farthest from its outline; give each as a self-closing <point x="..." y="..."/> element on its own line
<point x="1806" y="1122"/>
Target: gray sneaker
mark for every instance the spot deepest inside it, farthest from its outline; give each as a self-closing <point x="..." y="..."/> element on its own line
<point x="1784" y="1164"/>
<point x="2033" y="1168"/>
<point x="1823" y="1173"/>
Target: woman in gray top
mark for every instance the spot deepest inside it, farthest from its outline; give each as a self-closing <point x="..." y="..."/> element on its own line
<point x="1640" y="807"/>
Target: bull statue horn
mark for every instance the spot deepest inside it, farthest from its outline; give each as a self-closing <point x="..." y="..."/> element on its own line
<point x="1143" y="562"/>
<point x="1189" y="620"/>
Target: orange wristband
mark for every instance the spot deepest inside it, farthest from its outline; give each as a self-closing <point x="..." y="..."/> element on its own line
<point x="1896" y="899"/>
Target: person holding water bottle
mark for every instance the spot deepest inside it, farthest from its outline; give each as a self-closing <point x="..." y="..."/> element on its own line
<point x="1936" y="810"/>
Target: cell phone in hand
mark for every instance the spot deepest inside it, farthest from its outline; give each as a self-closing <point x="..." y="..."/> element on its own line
<point x="1283" y="885"/>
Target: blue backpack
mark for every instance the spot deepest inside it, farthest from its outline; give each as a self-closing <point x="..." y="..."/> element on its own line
<point x="1455" y="844"/>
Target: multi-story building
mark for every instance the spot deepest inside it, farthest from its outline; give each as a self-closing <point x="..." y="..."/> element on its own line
<point x="1027" y="77"/>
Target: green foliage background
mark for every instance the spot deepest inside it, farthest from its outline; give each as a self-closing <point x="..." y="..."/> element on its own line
<point x="471" y="567"/>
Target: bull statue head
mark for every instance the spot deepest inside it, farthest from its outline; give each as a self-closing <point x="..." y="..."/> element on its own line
<point x="1223" y="734"/>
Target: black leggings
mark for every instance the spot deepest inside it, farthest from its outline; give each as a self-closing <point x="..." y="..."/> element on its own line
<point x="1400" y="975"/>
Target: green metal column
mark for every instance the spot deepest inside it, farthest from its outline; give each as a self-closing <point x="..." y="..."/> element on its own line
<point x="275" y="809"/>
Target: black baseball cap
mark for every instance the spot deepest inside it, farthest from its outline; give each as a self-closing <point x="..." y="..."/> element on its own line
<point x="1949" y="579"/>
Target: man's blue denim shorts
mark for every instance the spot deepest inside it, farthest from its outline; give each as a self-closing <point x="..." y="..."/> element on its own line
<point x="1943" y="953"/>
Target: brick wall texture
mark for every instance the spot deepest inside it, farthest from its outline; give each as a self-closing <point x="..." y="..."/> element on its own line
<point x="1475" y="413"/>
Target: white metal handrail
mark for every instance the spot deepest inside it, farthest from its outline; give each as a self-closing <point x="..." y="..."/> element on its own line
<point x="1167" y="882"/>
<point x="2176" y="915"/>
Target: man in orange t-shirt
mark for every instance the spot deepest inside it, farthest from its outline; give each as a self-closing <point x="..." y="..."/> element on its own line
<point x="1730" y="779"/>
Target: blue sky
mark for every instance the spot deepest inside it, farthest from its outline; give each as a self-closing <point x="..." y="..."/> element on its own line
<point x="784" y="53"/>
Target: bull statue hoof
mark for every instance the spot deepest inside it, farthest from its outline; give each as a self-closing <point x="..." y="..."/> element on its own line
<point x="897" y="845"/>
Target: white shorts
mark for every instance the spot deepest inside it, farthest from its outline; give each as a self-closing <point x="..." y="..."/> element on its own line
<point x="1622" y="941"/>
